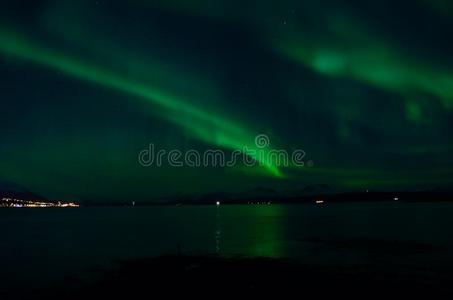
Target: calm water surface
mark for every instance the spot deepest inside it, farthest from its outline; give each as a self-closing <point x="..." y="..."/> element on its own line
<point x="41" y="245"/>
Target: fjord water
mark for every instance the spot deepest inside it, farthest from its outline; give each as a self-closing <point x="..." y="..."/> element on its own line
<point x="39" y="246"/>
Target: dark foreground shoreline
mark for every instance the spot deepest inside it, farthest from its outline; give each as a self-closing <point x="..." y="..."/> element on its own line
<point x="213" y="276"/>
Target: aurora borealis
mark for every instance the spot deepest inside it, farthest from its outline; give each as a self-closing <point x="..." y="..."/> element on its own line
<point x="365" y="88"/>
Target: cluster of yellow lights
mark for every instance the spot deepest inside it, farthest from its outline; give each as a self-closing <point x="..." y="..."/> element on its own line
<point x="12" y="202"/>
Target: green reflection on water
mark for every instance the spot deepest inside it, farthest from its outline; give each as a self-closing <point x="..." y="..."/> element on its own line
<point x="256" y="229"/>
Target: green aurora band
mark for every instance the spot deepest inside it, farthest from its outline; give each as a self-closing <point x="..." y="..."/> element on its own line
<point x="204" y="125"/>
<point x="370" y="60"/>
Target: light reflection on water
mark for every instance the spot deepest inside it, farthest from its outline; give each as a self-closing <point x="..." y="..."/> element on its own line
<point x="218" y="231"/>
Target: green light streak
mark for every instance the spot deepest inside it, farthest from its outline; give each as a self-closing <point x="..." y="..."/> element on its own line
<point x="204" y="125"/>
<point x="352" y="51"/>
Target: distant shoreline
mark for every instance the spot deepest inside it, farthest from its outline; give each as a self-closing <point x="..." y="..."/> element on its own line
<point x="320" y="199"/>
<point x="351" y="197"/>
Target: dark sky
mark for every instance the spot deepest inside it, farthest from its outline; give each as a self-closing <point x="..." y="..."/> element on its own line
<point x="364" y="88"/>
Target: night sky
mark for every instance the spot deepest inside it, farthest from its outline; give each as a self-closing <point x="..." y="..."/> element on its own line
<point x="365" y="88"/>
